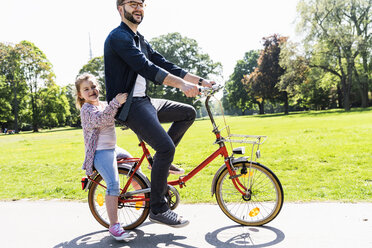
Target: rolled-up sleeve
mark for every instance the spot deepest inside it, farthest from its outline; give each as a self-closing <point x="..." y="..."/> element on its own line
<point x="124" y="46"/>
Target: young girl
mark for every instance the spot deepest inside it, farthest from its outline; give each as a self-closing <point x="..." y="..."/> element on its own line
<point x="97" y="120"/>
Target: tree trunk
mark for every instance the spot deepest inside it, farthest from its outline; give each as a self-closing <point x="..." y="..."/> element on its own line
<point x="364" y="84"/>
<point x="340" y="98"/>
<point x="35" y="109"/>
<point x="363" y="88"/>
<point x="364" y="94"/>
<point x="286" y="104"/>
<point x="15" y="84"/>
<point x="261" y="107"/>
<point x="348" y="82"/>
<point x="35" y="127"/>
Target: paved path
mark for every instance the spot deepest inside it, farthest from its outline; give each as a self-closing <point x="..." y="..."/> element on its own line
<point x="59" y="224"/>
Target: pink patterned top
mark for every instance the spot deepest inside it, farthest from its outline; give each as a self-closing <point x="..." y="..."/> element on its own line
<point x="92" y="119"/>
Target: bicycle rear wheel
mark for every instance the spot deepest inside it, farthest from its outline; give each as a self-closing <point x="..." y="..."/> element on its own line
<point x="131" y="214"/>
<point x="263" y="199"/>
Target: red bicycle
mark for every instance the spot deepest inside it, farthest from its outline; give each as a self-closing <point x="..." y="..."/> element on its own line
<point x="248" y="192"/>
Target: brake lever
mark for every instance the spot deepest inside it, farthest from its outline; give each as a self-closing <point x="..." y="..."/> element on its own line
<point x="205" y="91"/>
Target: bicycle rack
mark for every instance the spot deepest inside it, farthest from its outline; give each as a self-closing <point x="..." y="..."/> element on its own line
<point x="254" y="140"/>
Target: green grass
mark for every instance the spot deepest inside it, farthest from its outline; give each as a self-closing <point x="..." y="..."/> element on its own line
<point x="318" y="156"/>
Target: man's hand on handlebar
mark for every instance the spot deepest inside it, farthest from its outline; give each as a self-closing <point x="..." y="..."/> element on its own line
<point x="208" y="83"/>
<point x="189" y="89"/>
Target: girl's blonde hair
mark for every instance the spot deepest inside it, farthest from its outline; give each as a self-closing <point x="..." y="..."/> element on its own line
<point x="79" y="79"/>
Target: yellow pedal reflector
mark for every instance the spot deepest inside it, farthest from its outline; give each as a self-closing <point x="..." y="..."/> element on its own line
<point x="138" y="205"/>
<point x="248" y="174"/>
<point x="254" y="212"/>
<point x="100" y="200"/>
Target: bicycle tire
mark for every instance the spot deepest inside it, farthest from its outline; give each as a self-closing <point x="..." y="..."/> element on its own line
<point x="130" y="215"/>
<point x="264" y="202"/>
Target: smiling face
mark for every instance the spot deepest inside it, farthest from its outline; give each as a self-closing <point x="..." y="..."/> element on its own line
<point x="89" y="92"/>
<point x="132" y="11"/>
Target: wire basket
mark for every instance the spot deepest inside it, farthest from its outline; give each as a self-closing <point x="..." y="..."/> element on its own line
<point x="254" y="140"/>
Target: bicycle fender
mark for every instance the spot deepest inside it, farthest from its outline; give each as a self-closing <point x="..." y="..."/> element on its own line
<point x="213" y="188"/>
<point x="139" y="173"/>
<point x="217" y="175"/>
<point x="122" y="166"/>
<point x="89" y="184"/>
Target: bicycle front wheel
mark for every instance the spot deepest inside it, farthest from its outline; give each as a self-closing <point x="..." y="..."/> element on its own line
<point x="263" y="198"/>
<point x="131" y="214"/>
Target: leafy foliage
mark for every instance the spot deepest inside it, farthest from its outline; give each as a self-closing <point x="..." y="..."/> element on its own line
<point x="343" y="28"/>
<point x="185" y="53"/>
<point x="236" y="98"/>
<point x="261" y="83"/>
<point x="26" y="74"/>
<point x="55" y="108"/>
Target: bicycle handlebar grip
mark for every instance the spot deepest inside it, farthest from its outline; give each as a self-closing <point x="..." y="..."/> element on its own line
<point x="212" y="90"/>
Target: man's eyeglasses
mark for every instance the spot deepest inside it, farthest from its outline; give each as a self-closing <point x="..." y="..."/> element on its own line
<point x="135" y="4"/>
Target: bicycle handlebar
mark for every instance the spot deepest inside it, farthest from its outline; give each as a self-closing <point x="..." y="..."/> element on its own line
<point x="206" y="91"/>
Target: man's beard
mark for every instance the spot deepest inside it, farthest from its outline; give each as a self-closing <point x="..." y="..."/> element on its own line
<point x="130" y="17"/>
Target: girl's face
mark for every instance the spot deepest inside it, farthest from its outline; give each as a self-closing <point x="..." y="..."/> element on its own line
<point x="89" y="92"/>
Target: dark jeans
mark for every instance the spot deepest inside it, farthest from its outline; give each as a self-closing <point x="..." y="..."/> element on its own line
<point x="144" y="118"/>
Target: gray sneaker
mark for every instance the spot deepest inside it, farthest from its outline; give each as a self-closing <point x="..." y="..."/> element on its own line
<point x="169" y="218"/>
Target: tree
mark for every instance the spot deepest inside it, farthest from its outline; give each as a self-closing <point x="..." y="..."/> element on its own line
<point x="27" y="85"/>
<point x="310" y="81"/>
<point x="296" y="75"/>
<point x="55" y="108"/>
<point x="185" y="53"/>
<point x="74" y="118"/>
<point x="261" y="83"/>
<point x="37" y="72"/>
<point x="236" y="97"/>
<point x="5" y="107"/>
<point x="295" y="68"/>
<point x="15" y="86"/>
<point x="343" y="26"/>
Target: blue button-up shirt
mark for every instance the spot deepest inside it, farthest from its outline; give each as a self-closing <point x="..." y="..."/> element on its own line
<point x="124" y="61"/>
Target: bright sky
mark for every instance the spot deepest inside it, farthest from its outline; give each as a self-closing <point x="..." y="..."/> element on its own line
<point x="224" y="29"/>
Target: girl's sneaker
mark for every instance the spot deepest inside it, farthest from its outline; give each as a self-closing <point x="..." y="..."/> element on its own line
<point x="118" y="232"/>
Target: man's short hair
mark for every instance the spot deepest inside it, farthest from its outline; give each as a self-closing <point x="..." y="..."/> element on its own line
<point x="120" y="2"/>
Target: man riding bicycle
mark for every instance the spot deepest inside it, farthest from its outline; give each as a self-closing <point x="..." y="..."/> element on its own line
<point x="130" y="63"/>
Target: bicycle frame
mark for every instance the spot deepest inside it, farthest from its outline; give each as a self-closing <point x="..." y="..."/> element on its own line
<point x="248" y="192"/>
<point x="222" y="150"/>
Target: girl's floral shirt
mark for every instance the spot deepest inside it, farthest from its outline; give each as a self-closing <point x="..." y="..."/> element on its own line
<point x="92" y="120"/>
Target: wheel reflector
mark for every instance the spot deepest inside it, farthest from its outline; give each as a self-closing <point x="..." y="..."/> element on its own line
<point x="139" y="204"/>
<point x="100" y="200"/>
<point x="254" y="212"/>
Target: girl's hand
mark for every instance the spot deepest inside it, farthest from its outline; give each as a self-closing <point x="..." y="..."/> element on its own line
<point x="121" y="97"/>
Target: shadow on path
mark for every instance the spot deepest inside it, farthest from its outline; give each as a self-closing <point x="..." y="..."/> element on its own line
<point x="243" y="236"/>
<point x="227" y="237"/>
<point x="137" y="238"/>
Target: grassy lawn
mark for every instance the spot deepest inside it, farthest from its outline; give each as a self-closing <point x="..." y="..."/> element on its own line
<point x="318" y="156"/>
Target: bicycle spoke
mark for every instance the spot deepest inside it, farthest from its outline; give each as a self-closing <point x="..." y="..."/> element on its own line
<point x="130" y="214"/>
<point x="260" y="203"/>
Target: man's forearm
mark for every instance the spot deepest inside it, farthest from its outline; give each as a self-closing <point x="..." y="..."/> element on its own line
<point x="189" y="89"/>
<point x="191" y="78"/>
<point x="171" y="80"/>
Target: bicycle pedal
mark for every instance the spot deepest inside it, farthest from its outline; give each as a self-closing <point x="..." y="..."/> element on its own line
<point x="236" y="176"/>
